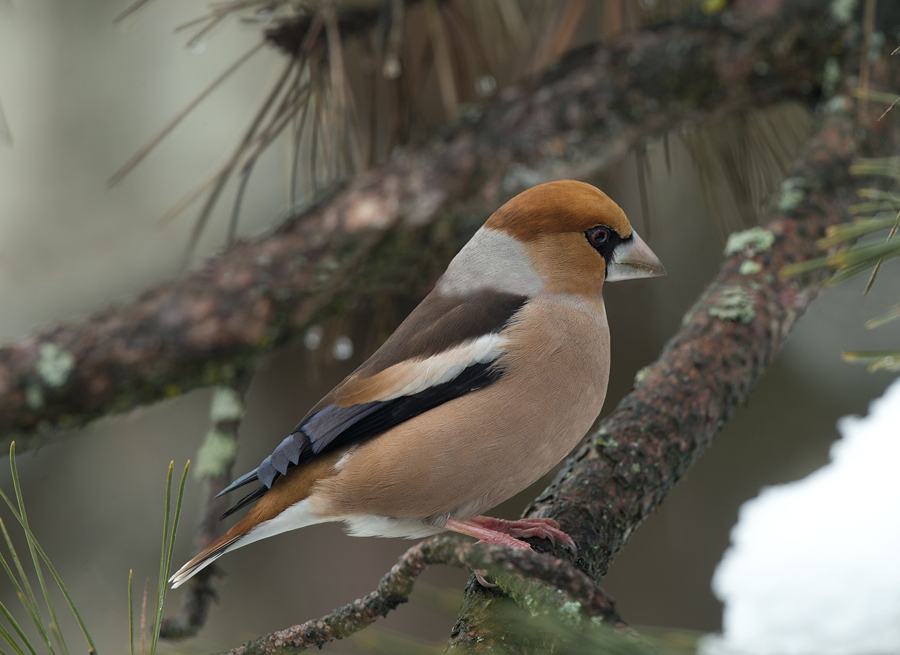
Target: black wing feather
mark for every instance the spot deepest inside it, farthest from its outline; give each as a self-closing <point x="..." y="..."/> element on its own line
<point x="342" y="426"/>
<point x="252" y="497"/>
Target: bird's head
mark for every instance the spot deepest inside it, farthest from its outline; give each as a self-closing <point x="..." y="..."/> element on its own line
<point x="576" y="237"/>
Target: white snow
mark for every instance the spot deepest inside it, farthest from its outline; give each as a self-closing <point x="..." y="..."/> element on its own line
<point x="814" y="565"/>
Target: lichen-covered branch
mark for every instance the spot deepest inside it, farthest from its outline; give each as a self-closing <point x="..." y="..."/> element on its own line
<point x="565" y="589"/>
<point x="707" y="370"/>
<point x="394" y="229"/>
<point x="215" y="461"/>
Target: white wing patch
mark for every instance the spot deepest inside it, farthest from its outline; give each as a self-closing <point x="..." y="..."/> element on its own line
<point x="422" y="374"/>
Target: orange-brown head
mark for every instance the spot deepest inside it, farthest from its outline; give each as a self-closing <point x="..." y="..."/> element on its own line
<point x="576" y="237"/>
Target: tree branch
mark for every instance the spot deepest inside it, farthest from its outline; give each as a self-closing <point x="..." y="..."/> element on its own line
<point x="708" y="369"/>
<point x="215" y="461"/>
<point x="395" y="228"/>
<point x="566" y="584"/>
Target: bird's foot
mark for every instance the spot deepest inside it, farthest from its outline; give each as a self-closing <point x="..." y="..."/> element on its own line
<point x="502" y="532"/>
<point x="541" y="528"/>
<point x="485" y="535"/>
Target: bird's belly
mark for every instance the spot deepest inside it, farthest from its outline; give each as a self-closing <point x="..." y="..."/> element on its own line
<point x="472" y="453"/>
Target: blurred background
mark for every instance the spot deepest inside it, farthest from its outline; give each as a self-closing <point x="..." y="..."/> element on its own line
<point x="81" y="96"/>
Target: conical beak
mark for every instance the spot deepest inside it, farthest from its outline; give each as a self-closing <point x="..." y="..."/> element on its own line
<point x="633" y="259"/>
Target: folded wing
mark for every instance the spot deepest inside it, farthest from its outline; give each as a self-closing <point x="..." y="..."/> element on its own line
<point x="447" y="347"/>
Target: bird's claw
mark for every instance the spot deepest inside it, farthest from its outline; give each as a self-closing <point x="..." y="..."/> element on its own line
<point x="479" y="575"/>
<point x="543" y="528"/>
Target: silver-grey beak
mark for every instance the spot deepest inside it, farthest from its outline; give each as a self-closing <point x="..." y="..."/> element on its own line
<point x="633" y="259"/>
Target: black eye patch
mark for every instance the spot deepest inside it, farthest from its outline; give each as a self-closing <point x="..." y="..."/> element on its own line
<point x="604" y="240"/>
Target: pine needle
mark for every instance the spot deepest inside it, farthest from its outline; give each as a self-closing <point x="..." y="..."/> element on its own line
<point x="8" y="638"/>
<point x="144" y="617"/>
<point x="130" y="613"/>
<point x="148" y="147"/>
<point x="168" y="547"/>
<point x="23" y="589"/>
<point x="22" y="518"/>
<point x="225" y="172"/>
<point x="891" y="315"/>
<point x="442" y="63"/>
<point x="131" y="11"/>
<point x="878" y="266"/>
<point x="39" y="554"/>
<point x="5" y="133"/>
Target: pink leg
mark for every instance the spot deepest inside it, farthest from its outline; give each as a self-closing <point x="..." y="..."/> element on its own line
<point x="486" y="535"/>
<point x="542" y="528"/>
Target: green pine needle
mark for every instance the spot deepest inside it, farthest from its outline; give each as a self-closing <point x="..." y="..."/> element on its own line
<point x="891" y="315"/>
<point x="38" y="554"/>
<point x="18" y="630"/>
<point x="130" y="613"/>
<point x="168" y="547"/>
<point x="883" y="167"/>
<point x="838" y="234"/>
<point x="878" y="360"/>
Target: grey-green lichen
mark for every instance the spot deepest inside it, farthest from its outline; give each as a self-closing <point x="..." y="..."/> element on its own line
<point x="54" y="365"/>
<point x="530" y="604"/>
<point x="749" y="267"/>
<point x="635" y="468"/>
<point x="792" y="194"/>
<point x="837" y="105"/>
<point x="641" y="374"/>
<point x="216" y="454"/>
<point x="734" y="305"/>
<point x="570" y="613"/>
<point x="226" y="405"/>
<point x="750" y="242"/>
<point x="842" y="10"/>
<point x="831" y="76"/>
<point x="34" y="397"/>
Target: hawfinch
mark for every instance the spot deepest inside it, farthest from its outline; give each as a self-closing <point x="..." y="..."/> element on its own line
<point x="487" y="385"/>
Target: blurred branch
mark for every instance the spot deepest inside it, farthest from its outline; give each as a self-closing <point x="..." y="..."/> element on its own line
<point x="215" y="461"/>
<point x="396" y="227"/>
<point x="705" y="372"/>
<point x="396" y="586"/>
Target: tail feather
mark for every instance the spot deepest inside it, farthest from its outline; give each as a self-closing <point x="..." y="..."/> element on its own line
<point x="203" y="560"/>
<point x="232" y="539"/>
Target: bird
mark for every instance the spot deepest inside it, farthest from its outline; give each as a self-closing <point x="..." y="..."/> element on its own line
<point x="490" y="382"/>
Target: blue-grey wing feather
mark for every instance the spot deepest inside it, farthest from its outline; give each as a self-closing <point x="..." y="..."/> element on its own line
<point x="325" y="425"/>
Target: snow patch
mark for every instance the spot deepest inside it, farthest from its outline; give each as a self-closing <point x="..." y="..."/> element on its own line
<point x="814" y="566"/>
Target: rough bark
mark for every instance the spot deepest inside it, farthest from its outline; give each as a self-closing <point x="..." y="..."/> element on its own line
<point x="707" y="370"/>
<point x="564" y="585"/>
<point x="411" y="215"/>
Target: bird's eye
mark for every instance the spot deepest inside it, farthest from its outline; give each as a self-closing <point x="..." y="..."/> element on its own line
<point x="597" y="236"/>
